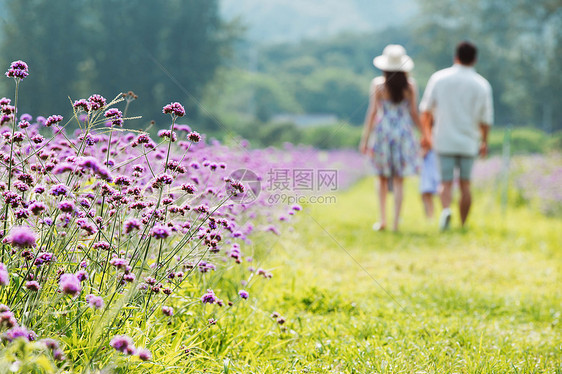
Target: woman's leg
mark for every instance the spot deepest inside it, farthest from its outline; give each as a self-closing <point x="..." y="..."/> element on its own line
<point x="398" y="194"/>
<point x="383" y="188"/>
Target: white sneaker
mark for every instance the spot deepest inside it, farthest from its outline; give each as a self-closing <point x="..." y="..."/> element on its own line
<point x="445" y="219"/>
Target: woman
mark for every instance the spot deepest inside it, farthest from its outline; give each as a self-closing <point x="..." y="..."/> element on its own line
<point x="388" y="135"/>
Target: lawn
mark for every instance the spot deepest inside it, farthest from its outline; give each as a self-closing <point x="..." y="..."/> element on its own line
<point x="482" y="300"/>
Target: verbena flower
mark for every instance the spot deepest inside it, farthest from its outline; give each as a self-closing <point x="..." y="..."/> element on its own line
<point x="194" y="137"/>
<point x="119" y="263"/>
<point x="4" y="276"/>
<point x="123" y="344"/>
<point x="209" y="297"/>
<point x="94" y="301"/>
<point x="32" y="286"/>
<point x="70" y="284"/>
<point x="82" y="275"/>
<point x="174" y="108"/>
<point x="160" y="232"/>
<point x="167" y="310"/>
<point x="19" y="332"/>
<point x="52" y="120"/>
<point x="96" y="102"/>
<point x="115" y="116"/>
<point x="59" y="190"/>
<point x="243" y="294"/>
<point x="144" y="354"/>
<point x="82" y="104"/>
<point x="22" y="237"/>
<point x="18" y="69"/>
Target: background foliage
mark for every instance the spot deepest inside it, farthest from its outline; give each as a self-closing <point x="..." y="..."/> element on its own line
<point x="163" y="52"/>
<point x="236" y="82"/>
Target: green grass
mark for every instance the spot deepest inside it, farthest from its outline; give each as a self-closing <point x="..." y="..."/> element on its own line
<point x="486" y="299"/>
<point x="482" y="300"/>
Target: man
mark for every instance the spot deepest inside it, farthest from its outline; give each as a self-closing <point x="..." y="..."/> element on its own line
<point x="458" y="102"/>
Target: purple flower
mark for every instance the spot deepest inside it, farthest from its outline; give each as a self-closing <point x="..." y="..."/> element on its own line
<point x="43" y="258"/>
<point x="194" y="137"/>
<point x="70" y="284"/>
<point x="26" y="117"/>
<point x="82" y="104"/>
<point x="22" y="237"/>
<point x="119" y="263"/>
<point x="82" y="275"/>
<point x="188" y="188"/>
<point x="66" y="206"/>
<point x="52" y="344"/>
<point x="19" y="332"/>
<point x="160" y="232"/>
<point x="209" y="297"/>
<point x="123" y="343"/>
<point x="95" y="302"/>
<point x="131" y="224"/>
<point x="95" y="166"/>
<point x="115" y="116"/>
<point x="37" y="208"/>
<point x="18" y="69"/>
<point x="243" y="294"/>
<point x="144" y="354"/>
<point x="4" y="276"/>
<point x="54" y="119"/>
<point x="32" y="286"/>
<point x="175" y="109"/>
<point x="59" y="190"/>
<point x="102" y="245"/>
<point x="7" y="318"/>
<point x="96" y="102"/>
<point x="168" y="311"/>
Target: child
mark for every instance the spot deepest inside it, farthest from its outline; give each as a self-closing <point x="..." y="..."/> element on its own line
<point x="429" y="181"/>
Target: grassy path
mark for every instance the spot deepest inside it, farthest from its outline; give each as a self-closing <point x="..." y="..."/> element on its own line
<point x="483" y="300"/>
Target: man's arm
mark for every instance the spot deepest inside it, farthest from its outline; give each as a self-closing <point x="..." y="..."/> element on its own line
<point x="426" y="124"/>
<point x="484" y="130"/>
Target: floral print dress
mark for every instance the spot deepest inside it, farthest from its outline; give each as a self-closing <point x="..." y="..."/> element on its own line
<point x="395" y="150"/>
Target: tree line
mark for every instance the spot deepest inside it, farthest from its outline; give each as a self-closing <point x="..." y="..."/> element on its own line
<point x="162" y="50"/>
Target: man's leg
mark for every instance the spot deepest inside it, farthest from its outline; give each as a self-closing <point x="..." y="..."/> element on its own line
<point x="446" y="166"/>
<point x="466" y="200"/>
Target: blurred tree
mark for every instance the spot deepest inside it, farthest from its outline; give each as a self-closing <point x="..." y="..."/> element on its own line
<point x="334" y="90"/>
<point x="520" y="51"/>
<point x="163" y="50"/>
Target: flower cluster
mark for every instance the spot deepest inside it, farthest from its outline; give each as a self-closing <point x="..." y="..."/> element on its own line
<point x="18" y="69"/>
<point x="174" y="109"/>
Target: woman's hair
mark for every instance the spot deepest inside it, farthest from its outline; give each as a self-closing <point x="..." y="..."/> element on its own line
<point x="396" y="82"/>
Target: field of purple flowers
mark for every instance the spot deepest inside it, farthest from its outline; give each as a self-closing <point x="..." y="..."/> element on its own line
<point x="107" y="231"/>
<point x="534" y="180"/>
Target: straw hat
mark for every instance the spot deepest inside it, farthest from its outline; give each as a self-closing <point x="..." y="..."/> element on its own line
<point x="394" y="58"/>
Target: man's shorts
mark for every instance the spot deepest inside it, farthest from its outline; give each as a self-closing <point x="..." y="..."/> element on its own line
<point x="448" y="163"/>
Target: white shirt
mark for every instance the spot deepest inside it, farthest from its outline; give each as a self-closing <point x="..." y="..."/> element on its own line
<point x="459" y="99"/>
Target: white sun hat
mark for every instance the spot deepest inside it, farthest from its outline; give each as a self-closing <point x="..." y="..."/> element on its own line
<point x="394" y="58"/>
